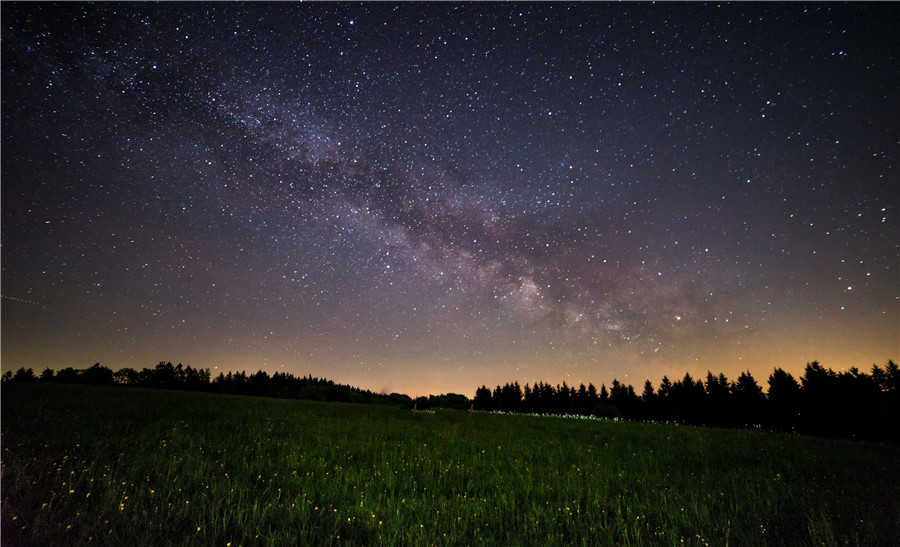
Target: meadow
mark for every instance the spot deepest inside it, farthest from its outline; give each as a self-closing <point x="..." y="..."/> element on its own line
<point x="129" y="466"/>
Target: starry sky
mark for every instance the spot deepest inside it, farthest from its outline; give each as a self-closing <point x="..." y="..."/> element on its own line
<point x="425" y="198"/>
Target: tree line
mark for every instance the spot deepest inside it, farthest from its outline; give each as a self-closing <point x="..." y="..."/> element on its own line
<point x="165" y="375"/>
<point x="822" y="402"/>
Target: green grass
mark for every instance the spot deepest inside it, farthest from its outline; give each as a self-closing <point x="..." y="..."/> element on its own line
<point x="117" y="466"/>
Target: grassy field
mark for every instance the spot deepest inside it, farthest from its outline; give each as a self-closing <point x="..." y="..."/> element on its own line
<point x="118" y="466"/>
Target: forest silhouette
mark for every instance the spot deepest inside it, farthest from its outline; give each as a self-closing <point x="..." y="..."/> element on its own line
<point x="852" y="404"/>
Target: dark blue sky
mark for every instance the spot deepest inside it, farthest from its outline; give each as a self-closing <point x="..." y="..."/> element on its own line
<point x="429" y="197"/>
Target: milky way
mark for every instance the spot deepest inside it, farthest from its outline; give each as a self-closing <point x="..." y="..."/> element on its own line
<point x="429" y="197"/>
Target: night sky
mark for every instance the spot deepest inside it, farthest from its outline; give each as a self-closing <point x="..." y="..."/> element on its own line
<point x="425" y="198"/>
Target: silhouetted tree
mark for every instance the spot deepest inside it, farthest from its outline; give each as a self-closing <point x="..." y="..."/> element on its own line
<point x="860" y="404"/>
<point x="24" y="375"/>
<point x="68" y="375"/>
<point x="497" y="398"/>
<point x="536" y="403"/>
<point x="527" y="399"/>
<point x="549" y="398"/>
<point x="784" y="399"/>
<point x="819" y="409"/>
<point x="509" y="397"/>
<point x="663" y="403"/>
<point x="892" y="372"/>
<point x="581" y="400"/>
<point x="258" y="384"/>
<point x="889" y="401"/>
<point x="449" y="400"/>
<point x="687" y="400"/>
<point x="126" y="377"/>
<point x="648" y="406"/>
<point x="98" y="375"/>
<point x="565" y="399"/>
<point x="748" y="399"/>
<point x="598" y="403"/>
<point x="718" y="409"/>
<point x="395" y="399"/>
<point x="482" y="399"/>
<point x="648" y="393"/>
<point x="624" y="399"/>
<point x="617" y="393"/>
<point x="665" y="386"/>
<point x="164" y="376"/>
